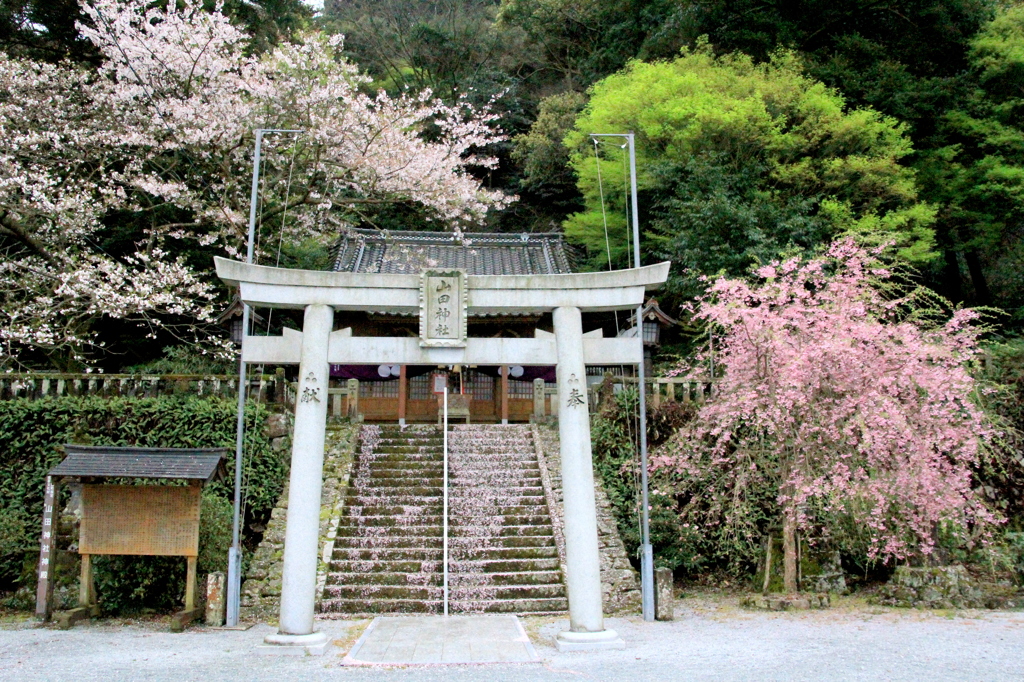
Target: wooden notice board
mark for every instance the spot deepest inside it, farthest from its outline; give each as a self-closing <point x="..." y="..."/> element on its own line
<point x="153" y="520"/>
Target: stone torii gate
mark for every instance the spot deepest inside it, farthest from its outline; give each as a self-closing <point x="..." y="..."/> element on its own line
<point x="444" y="301"/>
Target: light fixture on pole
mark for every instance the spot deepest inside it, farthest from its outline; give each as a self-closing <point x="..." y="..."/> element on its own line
<point x="646" y="553"/>
<point x="235" y="552"/>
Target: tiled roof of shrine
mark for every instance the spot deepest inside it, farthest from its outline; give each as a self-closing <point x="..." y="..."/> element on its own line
<point x="479" y="253"/>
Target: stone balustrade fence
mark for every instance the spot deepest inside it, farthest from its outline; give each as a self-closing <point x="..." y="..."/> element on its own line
<point x="265" y="388"/>
<point x="274" y="388"/>
<point x="664" y="389"/>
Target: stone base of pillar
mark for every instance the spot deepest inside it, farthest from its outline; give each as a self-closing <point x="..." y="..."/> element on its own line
<point x="588" y="641"/>
<point x="314" y="644"/>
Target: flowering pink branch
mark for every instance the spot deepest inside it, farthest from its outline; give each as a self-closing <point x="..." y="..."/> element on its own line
<point x="842" y="400"/>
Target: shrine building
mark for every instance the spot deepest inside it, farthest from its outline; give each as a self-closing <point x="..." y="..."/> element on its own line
<point x="404" y="393"/>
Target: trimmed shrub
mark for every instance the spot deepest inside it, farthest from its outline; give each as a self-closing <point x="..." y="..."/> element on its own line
<point x="32" y="433"/>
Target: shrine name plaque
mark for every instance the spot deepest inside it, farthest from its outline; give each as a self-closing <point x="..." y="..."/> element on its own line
<point x="443" y="300"/>
<point x="140" y="519"/>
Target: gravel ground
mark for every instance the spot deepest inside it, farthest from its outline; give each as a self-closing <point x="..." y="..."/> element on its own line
<point x="711" y="639"/>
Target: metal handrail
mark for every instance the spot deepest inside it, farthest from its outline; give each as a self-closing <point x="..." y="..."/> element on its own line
<point x="445" y="504"/>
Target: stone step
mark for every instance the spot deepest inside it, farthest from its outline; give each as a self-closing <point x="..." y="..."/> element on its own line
<point x="362" y="481"/>
<point x="403" y="457"/>
<point x="504" y="482"/>
<point x="481" y="557"/>
<point x="552" y="606"/>
<point x="432" y="520"/>
<point x="431" y="459"/>
<point x="454" y="491"/>
<point x="503" y="451"/>
<point x="407" y="449"/>
<point x="393" y="470"/>
<point x="400" y="468"/>
<point x="430" y="593"/>
<point x="401" y="436"/>
<point x="454" y="530"/>
<point x="400" y="491"/>
<point x="412" y="509"/>
<point x="454" y="543"/>
<point x="436" y="578"/>
<point x="512" y="496"/>
<point x="416" y="564"/>
<point x="373" y="499"/>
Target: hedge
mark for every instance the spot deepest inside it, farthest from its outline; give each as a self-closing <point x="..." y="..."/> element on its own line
<point x="33" y="431"/>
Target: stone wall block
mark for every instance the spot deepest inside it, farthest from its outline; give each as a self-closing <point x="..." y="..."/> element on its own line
<point x="216" y="598"/>
<point x="664" y="594"/>
<point x="278" y="425"/>
<point x="932" y="587"/>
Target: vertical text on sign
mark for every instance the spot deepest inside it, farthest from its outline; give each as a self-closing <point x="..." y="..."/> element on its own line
<point x="442" y="308"/>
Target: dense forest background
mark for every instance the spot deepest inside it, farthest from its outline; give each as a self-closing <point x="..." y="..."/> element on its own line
<point x="897" y="121"/>
<point x="942" y="69"/>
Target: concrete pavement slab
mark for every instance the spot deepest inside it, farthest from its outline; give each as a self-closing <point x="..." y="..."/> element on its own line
<point x="443" y="640"/>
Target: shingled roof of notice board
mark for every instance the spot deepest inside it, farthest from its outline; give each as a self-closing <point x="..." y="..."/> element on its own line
<point x="192" y="464"/>
<point x="478" y="253"/>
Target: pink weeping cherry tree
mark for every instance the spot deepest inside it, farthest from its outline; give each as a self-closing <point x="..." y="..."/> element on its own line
<point x="160" y="138"/>
<point x="841" y="392"/>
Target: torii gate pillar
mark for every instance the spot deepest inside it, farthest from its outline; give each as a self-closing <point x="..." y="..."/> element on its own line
<point x="301" y="539"/>
<point x="582" y="558"/>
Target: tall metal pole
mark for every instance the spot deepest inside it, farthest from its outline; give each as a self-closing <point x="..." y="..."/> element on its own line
<point x="235" y="553"/>
<point x="646" y="553"/>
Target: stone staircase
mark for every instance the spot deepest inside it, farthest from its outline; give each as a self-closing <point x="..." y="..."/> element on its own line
<point x="387" y="555"/>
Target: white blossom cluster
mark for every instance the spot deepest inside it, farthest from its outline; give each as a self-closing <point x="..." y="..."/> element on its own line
<point x="162" y="134"/>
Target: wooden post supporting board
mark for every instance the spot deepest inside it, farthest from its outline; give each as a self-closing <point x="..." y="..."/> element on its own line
<point x="87" y="606"/>
<point x="182" y="618"/>
<point x="190" y="585"/>
<point x="85" y="589"/>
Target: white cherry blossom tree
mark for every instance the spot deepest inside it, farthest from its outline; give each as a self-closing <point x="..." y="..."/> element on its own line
<point x="158" y="144"/>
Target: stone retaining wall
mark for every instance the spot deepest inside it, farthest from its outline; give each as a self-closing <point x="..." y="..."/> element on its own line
<point x="936" y="587"/>
<point x="261" y="590"/>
